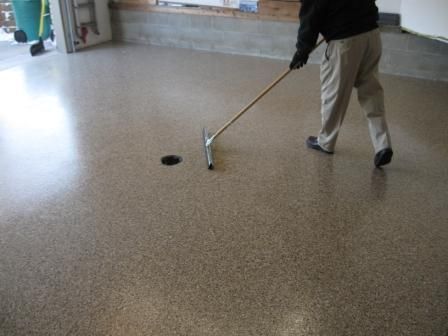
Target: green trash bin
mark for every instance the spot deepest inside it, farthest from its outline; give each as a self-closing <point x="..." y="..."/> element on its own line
<point x="27" y="15"/>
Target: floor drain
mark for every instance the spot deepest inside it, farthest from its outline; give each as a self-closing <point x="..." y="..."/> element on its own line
<point x="171" y="160"/>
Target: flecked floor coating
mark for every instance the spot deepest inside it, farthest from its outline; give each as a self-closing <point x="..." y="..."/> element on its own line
<point x="9" y="49"/>
<point x="13" y="54"/>
<point x="97" y="237"/>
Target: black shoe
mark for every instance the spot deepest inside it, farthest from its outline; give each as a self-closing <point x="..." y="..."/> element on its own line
<point x="383" y="157"/>
<point x="312" y="142"/>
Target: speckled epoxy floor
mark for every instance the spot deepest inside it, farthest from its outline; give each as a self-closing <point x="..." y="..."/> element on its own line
<point x="13" y="54"/>
<point x="98" y="238"/>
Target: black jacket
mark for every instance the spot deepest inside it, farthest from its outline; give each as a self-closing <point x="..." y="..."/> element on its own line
<point x="334" y="19"/>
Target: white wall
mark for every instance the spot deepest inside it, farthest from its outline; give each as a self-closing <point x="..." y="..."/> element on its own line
<point x="390" y="6"/>
<point x="428" y="17"/>
<point x="57" y="19"/>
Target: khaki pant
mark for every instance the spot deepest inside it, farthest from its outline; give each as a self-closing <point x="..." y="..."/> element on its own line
<point x="348" y="63"/>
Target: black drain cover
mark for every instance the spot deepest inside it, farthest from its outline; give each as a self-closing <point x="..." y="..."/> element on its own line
<point x="171" y="160"/>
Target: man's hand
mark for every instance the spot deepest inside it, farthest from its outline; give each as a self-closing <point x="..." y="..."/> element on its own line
<point x="299" y="60"/>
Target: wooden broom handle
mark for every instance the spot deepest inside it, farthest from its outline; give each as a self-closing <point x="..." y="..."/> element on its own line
<point x="253" y="102"/>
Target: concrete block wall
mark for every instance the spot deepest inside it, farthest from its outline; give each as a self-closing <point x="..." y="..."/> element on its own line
<point x="404" y="54"/>
<point x="414" y="56"/>
<point x="213" y="33"/>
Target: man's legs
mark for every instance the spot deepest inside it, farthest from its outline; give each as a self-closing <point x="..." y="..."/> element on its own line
<point x="370" y="93"/>
<point x="338" y="74"/>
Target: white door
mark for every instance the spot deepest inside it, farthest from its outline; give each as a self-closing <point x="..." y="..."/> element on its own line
<point x="80" y="23"/>
<point x="428" y="17"/>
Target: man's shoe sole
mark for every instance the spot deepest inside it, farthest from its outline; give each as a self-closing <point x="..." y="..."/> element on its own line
<point x="383" y="157"/>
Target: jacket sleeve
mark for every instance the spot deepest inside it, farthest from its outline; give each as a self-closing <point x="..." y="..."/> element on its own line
<point x="310" y="16"/>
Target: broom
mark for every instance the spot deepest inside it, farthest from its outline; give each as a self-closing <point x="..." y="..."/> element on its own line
<point x="208" y="139"/>
<point x="39" y="47"/>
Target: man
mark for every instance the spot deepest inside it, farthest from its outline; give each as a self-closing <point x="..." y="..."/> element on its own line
<point x="351" y="60"/>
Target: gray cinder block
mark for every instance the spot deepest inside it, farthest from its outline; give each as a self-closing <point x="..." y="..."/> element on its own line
<point x="410" y="64"/>
<point x="234" y="25"/>
<point x="233" y="40"/>
<point x="130" y="31"/>
<point x="444" y="49"/>
<point x="279" y="47"/>
<point x="129" y="16"/>
<point x="389" y="19"/>
<point x="394" y="41"/>
<point x="424" y="45"/>
<point x="205" y="39"/>
<point x="276" y="29"/>
<point x="201" y="22"/>
<point x="162" y="19"/>
<point x="182" y="21"/>
<point x="403" y="54"/>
